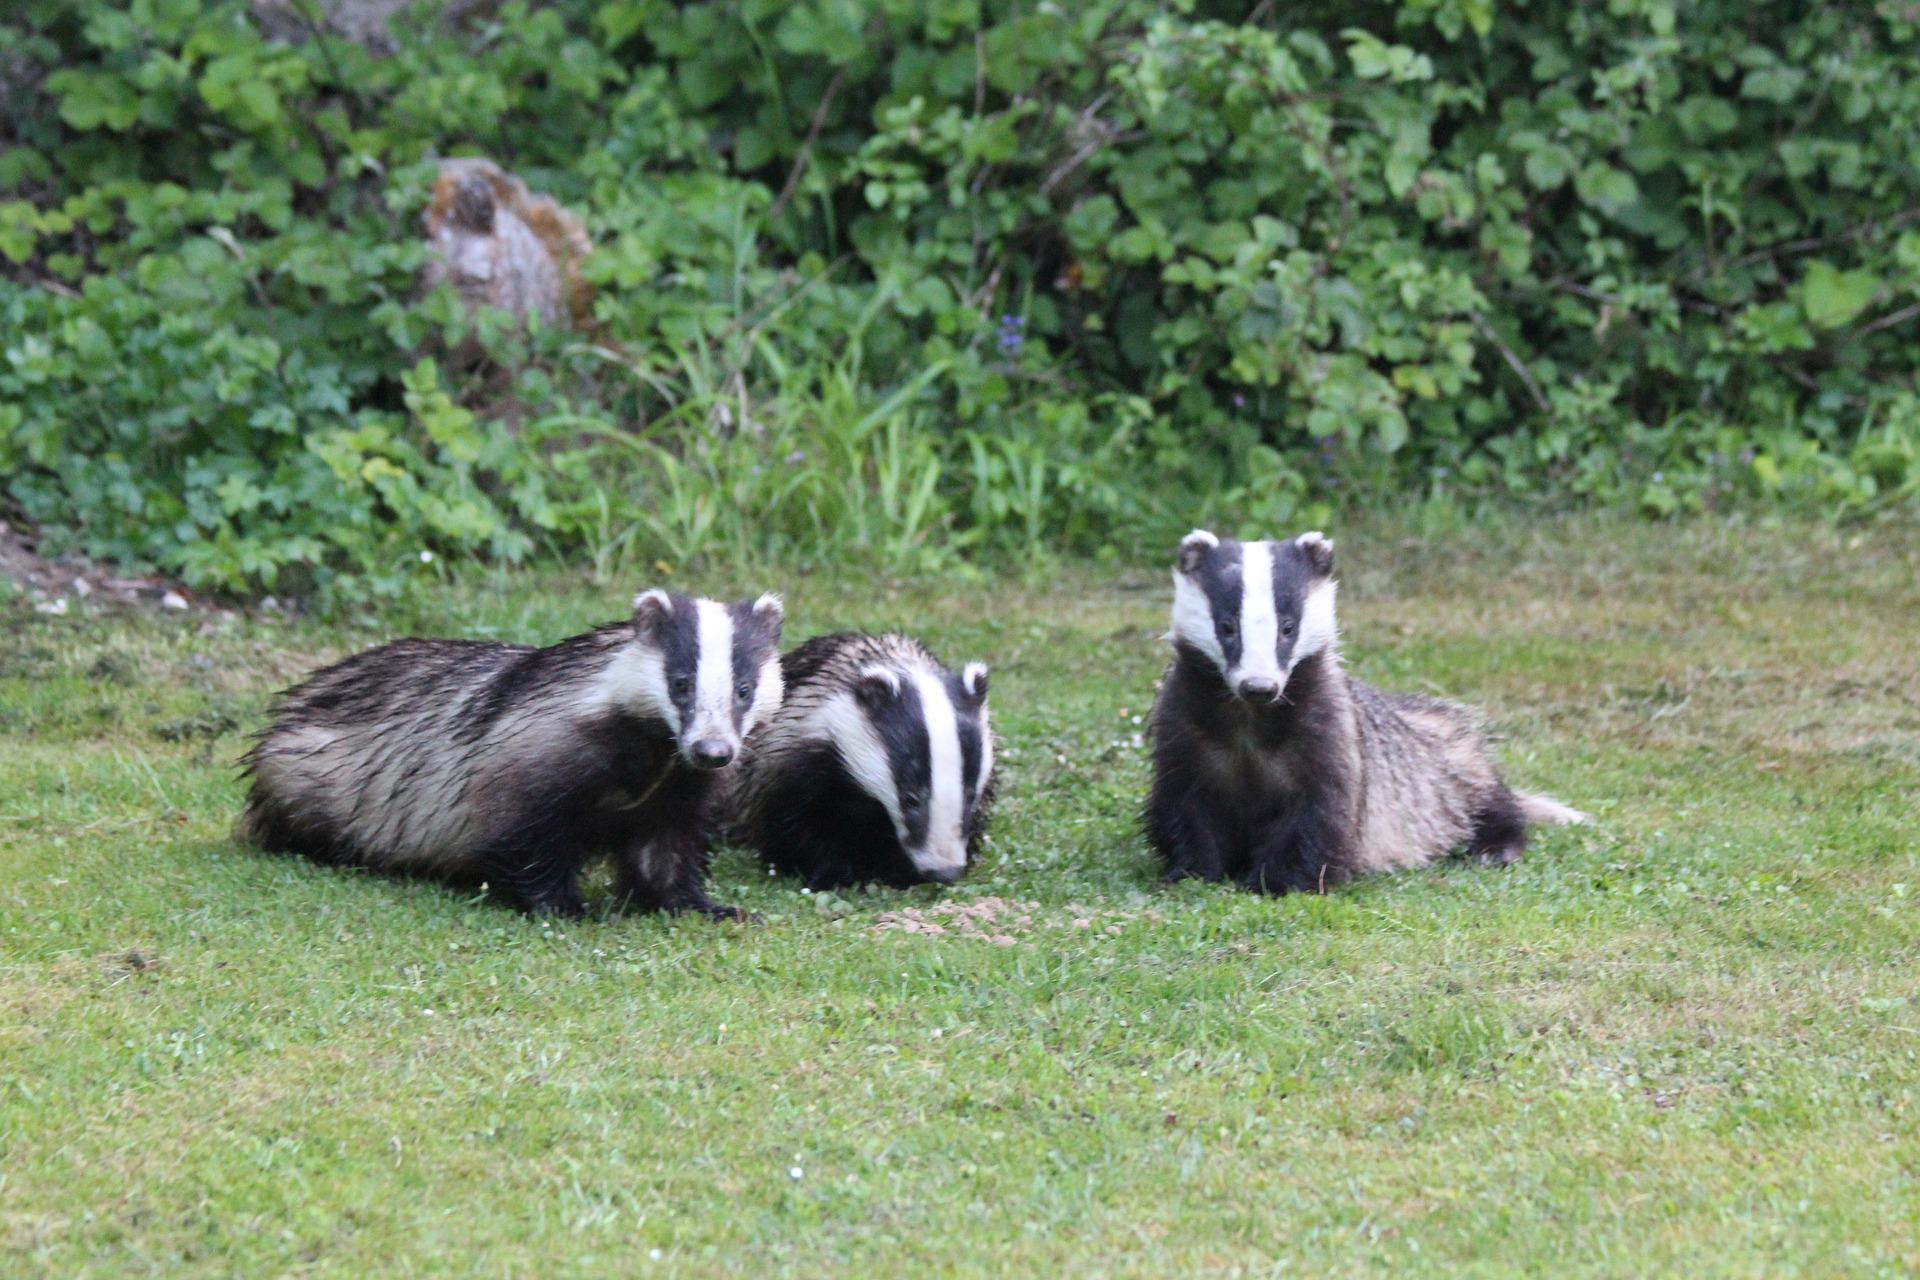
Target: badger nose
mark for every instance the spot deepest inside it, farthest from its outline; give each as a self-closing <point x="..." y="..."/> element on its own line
<point x="943" y="875"/>
<point x="710" y="753"/>
<point x="1259" y="687"/>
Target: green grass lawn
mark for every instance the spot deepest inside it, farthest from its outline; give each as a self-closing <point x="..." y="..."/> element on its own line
<point x="1686" y="1038"/>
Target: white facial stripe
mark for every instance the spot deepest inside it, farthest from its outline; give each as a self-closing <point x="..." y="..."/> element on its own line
<point x="863" y="754"/>
<point x="635" y="679"/>
<point x="946" y="845"/>
<point x="1316" y="623"/>
<point x="1193" y="619"/>
<point x="986" y="756"/>
<point x="713" y="675"/>
<point x="767" y="695"/>
<point x="1259" y="628"/>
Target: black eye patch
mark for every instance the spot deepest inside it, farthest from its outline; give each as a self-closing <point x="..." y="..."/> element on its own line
<point x="1219" y="578"/>
<point x="678" y="636"/>
<point x="900" y="724"/>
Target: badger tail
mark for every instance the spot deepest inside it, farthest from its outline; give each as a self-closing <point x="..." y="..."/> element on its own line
<point x="1545" y="809"/>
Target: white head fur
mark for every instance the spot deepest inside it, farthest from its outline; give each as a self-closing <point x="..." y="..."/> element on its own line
<point x="1270" y="646"/>
<point x="697" y="706"/>
<point x="843" y="719"/>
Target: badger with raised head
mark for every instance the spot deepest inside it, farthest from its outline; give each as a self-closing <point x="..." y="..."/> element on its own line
<point x="1275" y="769"/>
<point x="514" y="765"/>
<point x="878" y="766"/>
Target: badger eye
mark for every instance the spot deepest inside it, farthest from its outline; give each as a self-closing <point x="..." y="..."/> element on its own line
<point x="1228" y="629"/>
<point x="681" y="685"/>
<point x="743" y="690"/>
<point x="1286" y="628"/>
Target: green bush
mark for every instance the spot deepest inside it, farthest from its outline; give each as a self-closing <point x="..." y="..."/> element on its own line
<point x="919" y="281"/>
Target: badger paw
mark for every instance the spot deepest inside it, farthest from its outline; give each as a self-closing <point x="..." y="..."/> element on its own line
<point x="714" y="911"/>
<point x="562" y="904"/>
<point x="1502" y="855"/>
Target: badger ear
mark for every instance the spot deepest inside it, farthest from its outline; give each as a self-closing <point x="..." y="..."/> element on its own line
<point x="651" y="608"/>
<point x="1195" y="548"/>
<point x="974" y="680"/>
<point x="1318" y="548"/>
<point x="772" y="610"/>
<point x="876" y="686"/>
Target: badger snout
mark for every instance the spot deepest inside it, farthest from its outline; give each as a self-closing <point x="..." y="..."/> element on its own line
<point x="1258" y="689"/>
<point x="936" y="863"/>
<point x="710" y="753"/>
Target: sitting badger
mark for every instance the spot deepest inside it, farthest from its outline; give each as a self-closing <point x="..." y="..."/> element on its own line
<point x="514" y="765"/>
<point x="878" y="766"/>
<point x="1272" y="767"/>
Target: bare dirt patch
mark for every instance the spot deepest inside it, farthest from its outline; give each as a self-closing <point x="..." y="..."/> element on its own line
<point x="1003" y="922"/>
<point x="53" y="583"/>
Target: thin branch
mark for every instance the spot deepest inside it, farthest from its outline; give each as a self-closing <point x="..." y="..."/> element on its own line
<point x="979" y="73"/>
<point x="1104" y="134"/>
<point x="1814" y="244"/>
<point x="805" y="155"/>
<point x="1901" y="316"/>
<point x="1514" y="362"/>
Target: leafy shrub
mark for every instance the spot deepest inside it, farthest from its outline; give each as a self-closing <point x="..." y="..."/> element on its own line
<point x="914" y="282"/>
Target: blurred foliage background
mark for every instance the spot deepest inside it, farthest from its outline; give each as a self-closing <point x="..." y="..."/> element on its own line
<point x="923" y="283"/>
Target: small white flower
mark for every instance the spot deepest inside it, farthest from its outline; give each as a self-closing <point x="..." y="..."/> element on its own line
<point x="654" y="1254"/>
<point x="795" y="1173"/>
<point x="426" y="557"/>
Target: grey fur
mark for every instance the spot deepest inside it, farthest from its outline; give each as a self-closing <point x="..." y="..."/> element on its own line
<point x="846" y="783"/>
<point x="1322" y="777"/>
<point x="478" y="761"/>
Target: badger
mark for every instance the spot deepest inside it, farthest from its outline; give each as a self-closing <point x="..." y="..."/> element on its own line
<point x="878" y="766"/>
<point x="514" y="765"/>
<point x="1275" y="769"/>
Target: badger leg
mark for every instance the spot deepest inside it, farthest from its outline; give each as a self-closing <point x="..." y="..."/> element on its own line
<point x="1182" y="830"/>
<point x="819" y="860"/>
<point x="1299" y="853"/>
<point x="543" y="885"/>
<point x="1499" y="829"/>
<point x="536" y="861"/>
<point x="667" y="871"/>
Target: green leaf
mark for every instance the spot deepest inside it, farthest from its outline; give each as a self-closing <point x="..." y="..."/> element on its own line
<point x="1549" y="165"/>
<point x="1703" y="116"/>
<point x="1773" y="84"/>
<point x="1606" y="188"/>
<point x="1833" y="298"/>
<point x="95" y="99"/>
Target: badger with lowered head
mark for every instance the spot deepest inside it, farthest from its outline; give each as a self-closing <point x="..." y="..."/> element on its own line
<point x="515" y="766"/>
<point x="1275" y="769"/>
<point x="878" y="765"/>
